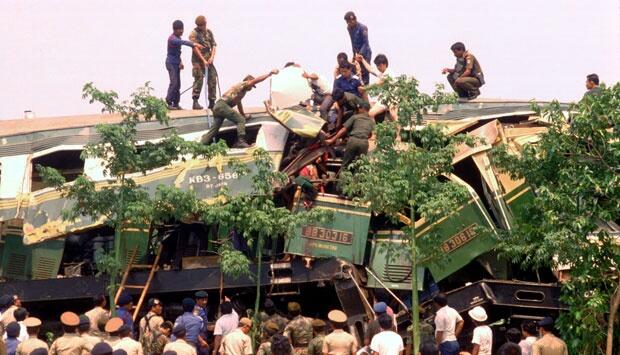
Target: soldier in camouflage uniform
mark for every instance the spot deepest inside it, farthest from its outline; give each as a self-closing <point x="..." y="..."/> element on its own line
<point x="271" y="314"/>
<point x="316" y="344"/>
<point x="203" y="59"/>
<point x="298" y="330"/>
<point x="223" y="109"/>
<point x="269" y="330"/>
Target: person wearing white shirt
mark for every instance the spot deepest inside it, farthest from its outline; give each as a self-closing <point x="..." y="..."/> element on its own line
<point x="228" y="322"/>
<point x="483" y="335"/>
<point x="20" y="315"/>
<point x="386" y="342"/>
<point x="381" y="71"/>
<point x="448" y="326"/>
<point x="528" y="329"/>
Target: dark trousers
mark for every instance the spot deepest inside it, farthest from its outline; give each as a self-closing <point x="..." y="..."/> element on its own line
<point x="198" y="72"/>
<point x="355" y="148"/>
<point x="326" y="104"/>
<point x="221" y="112"/>
<point x="174" y="88"/>
<point x="365" y="73"/>
<point x="449" y="348"/>
<point x="464" y="86"/>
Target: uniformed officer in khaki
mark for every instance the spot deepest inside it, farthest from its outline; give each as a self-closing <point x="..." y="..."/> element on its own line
<point x="466" y="78"/>
<point x="112" y="327"/>
<point x="84" y="331"/>
<point x="299" y="329"/>
<point x="33" y="342"/>
<point x="359" y="128"/>
<point x="180" y="346"/>
<point x="70" y="343"/>
<point x="339" y="342"/>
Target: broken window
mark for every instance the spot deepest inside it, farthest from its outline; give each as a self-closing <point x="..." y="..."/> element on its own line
<point x="67" y="162"/>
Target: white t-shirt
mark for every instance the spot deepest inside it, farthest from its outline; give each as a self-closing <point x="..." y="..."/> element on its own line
<point x="526" y="345"/>
<point x="323" y="86"/>
<point x="226" y="324"/>
<point x="483" y="336"/>
<point x="387" y="342"/>
<point x="445" y="321"/>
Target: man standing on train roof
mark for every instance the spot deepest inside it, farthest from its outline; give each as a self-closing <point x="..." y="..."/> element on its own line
<point x="202" y="62"/>
<point x="466" y="78"/>
<point x="224" y="109"/>
<point x="359" y="41"/>
<point x="174" y="65"/>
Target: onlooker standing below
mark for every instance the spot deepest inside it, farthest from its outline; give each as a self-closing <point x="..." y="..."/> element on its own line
<point x="150" y="323"/>
<point x="339" y="342"/>
<point x="12" y="342"/>
<point x="179" y="346"/>
<point x="280" y="345"/>
<point x="83" y="331"/>
<point x="123" y="311"/>
<point x="20" y="315"/>
<point x="97" y="313"/>
<point x="192" y="323"/>
<point x="8" y="315"/>
<point x="33" y="342"/>
<point x="448" y="326"/>
<point x="548" y="344"/>
<point x="511" y="347"/>
<point x="359" y="41"/>
<point x="386" y="342"/>
<point x="174" y="64"/>
<point x="429" y="348"/>
<point x="299" y="329"/>
<point x="227" y="322"/>
<point x="483" y="335"/>
<point x="70" y="342"/>
<point x="202" y="60"/>
<point x="528" y="329"/>
<point x="316" y="344"/>
<point x="238" y="342"/>
<point x="373" y="327"/>
<point x="130" y="346"/>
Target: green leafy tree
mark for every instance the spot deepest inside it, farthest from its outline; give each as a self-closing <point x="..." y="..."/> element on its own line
<point x="405" y="179"/>
<point x="122" y="202"/>
<point x="575" y="172"/>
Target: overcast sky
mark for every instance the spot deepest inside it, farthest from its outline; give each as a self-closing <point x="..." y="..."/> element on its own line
<point x="527" y="48"/>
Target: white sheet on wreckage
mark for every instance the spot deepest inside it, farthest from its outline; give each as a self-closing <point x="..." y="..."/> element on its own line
<point x="289" y="88"/>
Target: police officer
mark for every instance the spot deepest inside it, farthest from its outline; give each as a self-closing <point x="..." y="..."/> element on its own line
<point x="125" y="305"/>
<point x="70" y="343"/>
<point x="112" y="327"/>
<point x="269" y="329"/>
<point x="359" y="128"/>
<point x="203" y="59"/>
<point x="223" y="109"/>
<point x="316" y="344"/>
<point x="347" y="105"/>
<point x="180" y="346"/>
<point x="299" y="329"/>
<point x="359" y="41"/>
<point x="191" y="323"/>
<point x="33" y="342"/>
<point x="270" y="313"/>
<point x="83" y="330"/>
<point x="200" y="310"/>
<point x="339" y="341"/>
<point x="130" y="346"/>
<point x="465" y="80"/>
<point x="149" y="324"/>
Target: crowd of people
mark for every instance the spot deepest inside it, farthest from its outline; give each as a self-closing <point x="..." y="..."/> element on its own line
<point x="98" y="332"/>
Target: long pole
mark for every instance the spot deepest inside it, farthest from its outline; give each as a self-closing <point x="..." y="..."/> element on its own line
<point x="259" y="257"/>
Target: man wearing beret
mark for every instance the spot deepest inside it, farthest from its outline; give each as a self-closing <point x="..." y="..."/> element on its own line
<point x="150" y="323"/>
<point x="373" y="326"/>
<point x="130" y="346"/>
<point x="339" y="342"/>
<point x="316" y="344"/>
<point x="112" y="327"/>
<point x="238" y="342"/>
<point x="269" y="329"/>
<point x="70" y="343"/>
<point x="202" y="59"/>
<point x="180" y="345"/>
<point x="192" y="324"/>
<point x="299" y="329"/>
<point x="548" y="344"/>
<point x="33" y="342"/>
<point x="200" y="310"/>
<point x="123" y="311"/>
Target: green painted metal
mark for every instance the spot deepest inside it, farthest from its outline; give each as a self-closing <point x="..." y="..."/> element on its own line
<point x="40" y="261"/>
<point x="518" y="199"/>
<point x="344" y="237"/>
<point x="129" y="240"/>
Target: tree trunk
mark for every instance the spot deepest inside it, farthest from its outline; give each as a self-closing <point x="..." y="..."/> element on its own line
<point x="615" y="304"/>
<point x="415" y="314"/>
<point x="259" y="257"/>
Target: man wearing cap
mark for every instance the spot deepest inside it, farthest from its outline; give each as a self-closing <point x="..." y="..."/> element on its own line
<point x="482" y="339"/>
<point x="179" y="346"/>
<point x="548" y="344"/>
<point x="448" y="326"/>
<point x="299" y="329"/>
<point x="315" y="347"/>
<point x="228" y="322"/>
<point x="339" y="342"/>
<point x="33" y="342"/>
<point x="70" y="342"/>
<point x="192" y="324"/>
<point x="202" y="59"/>
<point x="200" y="310"/>
<point x="174" y="64"/>
<point x="270" y="313"/>
<point x="97" y="312"/>
<point x="359" y="41"/>
<point x="238" y="342"/>
<point x="130" y="346"/>
<point x="224" y="109"/>
<point x="149" y="324"/>
<point x="113" y="327"/>
<point x="269" y="329"/>
<point x="83" y="330"/>
<point x="123" y="311"/>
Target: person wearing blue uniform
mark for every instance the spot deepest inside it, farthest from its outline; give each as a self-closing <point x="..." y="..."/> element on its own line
<point x="200" y="310"/>
<point x="359" y="41"/>
<point x="174" y="65"/>
<point x="125" y="304"/>
<point x="347" y="82"/>
<point x="192" y="324"/>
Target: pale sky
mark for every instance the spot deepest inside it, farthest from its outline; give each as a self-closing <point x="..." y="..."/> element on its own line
<point x="527" y="48"/>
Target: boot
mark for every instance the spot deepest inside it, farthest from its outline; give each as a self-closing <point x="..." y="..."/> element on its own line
<point x="241" y="143"/>
<point x="196" y="105"/>
<point x="211" y="104"/>
<point x="473" y="94"/>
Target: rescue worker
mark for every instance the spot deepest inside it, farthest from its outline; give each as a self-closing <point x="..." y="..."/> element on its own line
<point x="126" y="343"/>
<point x="339" y="342"/>
<point x="200" y="310"/>
<point x="592" y="82"/>
<point x="124" y="307"/>
<point x="315" y="347"/>
<point x="347" y="82"/>
<point x="548" y="344"/>
<point x="97" y="312"/>
<point x="238" y="342"/>
<point x="223" y="109"/>
<point x="269" y="329"/>
<point x="346" y="105"/>
<point x="150" y="323"/>
<point x="359" y="128"/>
<point x="179" y="345"/>
<point x="202" y="59"/>
<point x="344" y="58"/>
<point x="112" y="327"/>
<point x="33" y="342"/>
<point x="270" y="313"/>
<point x="174" y="65"/>
<point x="299" y="329"/>
<point x="192" y="324"/>
<point x="465" y="80"/>
<point x="84" y="329"/>
<point x="70" y="343"/>
<point x="359" y="41"/>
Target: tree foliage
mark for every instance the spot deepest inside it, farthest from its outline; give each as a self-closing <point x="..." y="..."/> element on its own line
<point x="575" y="172"/>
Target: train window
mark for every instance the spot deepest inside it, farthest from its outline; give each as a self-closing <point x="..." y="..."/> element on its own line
<point x="68" y="162"/>
<point x="230" y="135"/>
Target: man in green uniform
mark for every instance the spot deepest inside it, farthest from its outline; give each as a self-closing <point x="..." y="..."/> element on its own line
<point x="269" y="329"/>
<point x="203" y="59"/>
<point x="359" y="128"/>
<point x="466" y="78"/>
<point x="298" y="330"/>
<point x="270" y="313"/>
<point x="316" y="344"/>
<point x="223" y="109"/>
<point x="346" y="105"/>
<point x="592" y="82"/>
